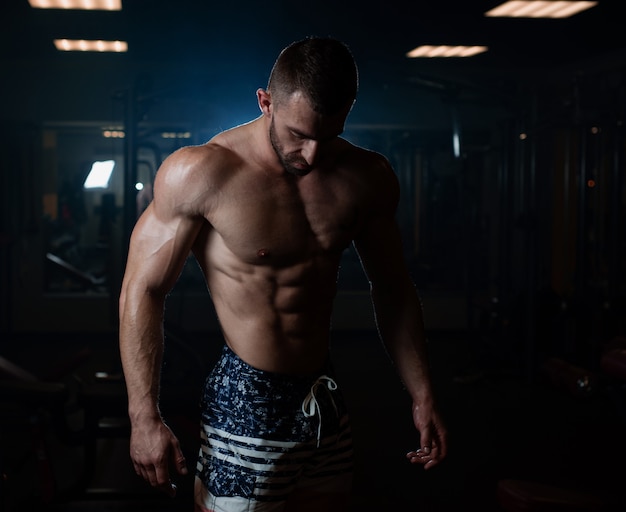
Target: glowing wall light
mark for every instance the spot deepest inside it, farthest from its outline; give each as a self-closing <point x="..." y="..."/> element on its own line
<point x="100" y="174"/>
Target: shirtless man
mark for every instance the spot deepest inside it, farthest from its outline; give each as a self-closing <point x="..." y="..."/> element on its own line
<point x="267" y="209"/>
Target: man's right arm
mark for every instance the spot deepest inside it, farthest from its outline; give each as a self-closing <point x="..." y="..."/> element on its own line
<point x="398" y="313"/>
<point x="159" y="246"/>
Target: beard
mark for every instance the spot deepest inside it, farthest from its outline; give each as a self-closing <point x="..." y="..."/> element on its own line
<point x="292" y="163"/>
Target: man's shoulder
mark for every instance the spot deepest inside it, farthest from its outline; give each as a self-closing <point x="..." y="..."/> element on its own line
<point x="212" y="153"/>
<point x="367" y="164"/>
<point x="201" y="164"/>
<point x="368" y="172"/>
<point x="361" y="155"/>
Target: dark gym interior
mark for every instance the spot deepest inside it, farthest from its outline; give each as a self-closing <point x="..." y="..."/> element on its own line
<point x="512" y="166"/>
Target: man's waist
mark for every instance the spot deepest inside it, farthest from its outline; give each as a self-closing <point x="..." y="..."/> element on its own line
<point x="290" y="357"/>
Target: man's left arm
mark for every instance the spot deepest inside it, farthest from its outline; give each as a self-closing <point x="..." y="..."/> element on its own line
<point x="399" y="319"/>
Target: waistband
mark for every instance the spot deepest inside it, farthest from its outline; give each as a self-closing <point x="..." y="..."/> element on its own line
<point x="244" y="400"/>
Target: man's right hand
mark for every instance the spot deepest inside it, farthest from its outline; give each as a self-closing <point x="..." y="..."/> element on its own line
<point x="153" y="447"/>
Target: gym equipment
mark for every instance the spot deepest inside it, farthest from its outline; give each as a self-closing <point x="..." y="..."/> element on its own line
<point x="525" y="496"/>
<point x="520" y="495"/>
<point x="35" y="404"/>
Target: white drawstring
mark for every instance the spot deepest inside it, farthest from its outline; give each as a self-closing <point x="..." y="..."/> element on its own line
<point x="310" y="406"/>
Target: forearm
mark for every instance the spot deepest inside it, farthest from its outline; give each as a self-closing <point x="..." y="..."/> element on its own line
<point x="141" y="351"/>
<point x="401" y="327"/>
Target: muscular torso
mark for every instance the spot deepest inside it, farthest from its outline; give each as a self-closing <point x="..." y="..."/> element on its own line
<point x="270" y="248"/>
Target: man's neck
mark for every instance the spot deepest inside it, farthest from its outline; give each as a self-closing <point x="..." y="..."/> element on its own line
<point x="261" y="147"/>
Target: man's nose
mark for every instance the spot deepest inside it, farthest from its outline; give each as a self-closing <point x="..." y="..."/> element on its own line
<point x="310" y="151"/>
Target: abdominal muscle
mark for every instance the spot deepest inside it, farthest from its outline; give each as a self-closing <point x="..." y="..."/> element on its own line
<point x="276" y="320"/>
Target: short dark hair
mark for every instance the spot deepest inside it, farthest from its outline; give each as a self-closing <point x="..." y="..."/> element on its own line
<point x="323" y="68"/>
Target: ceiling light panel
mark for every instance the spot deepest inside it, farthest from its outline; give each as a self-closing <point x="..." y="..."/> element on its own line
<point x="90" y="5"/>
<point x="432" y="51"/>
<point x="539" y="9"/>
<point x="83" y="45"/>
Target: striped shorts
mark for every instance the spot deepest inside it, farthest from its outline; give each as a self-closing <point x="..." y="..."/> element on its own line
<point x="266" y="435"/>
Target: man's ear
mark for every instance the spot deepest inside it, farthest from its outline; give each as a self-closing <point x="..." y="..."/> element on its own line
<point x="264" y="98"/>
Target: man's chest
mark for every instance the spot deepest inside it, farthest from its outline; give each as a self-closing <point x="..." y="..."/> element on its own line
<point x="287" y="223"/>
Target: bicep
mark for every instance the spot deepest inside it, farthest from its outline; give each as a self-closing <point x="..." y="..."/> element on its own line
<point x="379" y="241"/>
<point x="159" y="246"/>
<point x="380" y="251"/>
<point x="396" y="304"/>
<point x="164" y="234"/>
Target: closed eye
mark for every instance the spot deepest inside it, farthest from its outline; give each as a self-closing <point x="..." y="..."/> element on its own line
<point x="303" y="136"/>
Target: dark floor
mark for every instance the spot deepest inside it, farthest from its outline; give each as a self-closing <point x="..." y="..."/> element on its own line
<point x="504" y="421"/>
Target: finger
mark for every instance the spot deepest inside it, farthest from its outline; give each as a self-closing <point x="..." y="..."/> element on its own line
<point x="442" y="447"/>
<point x="418" y="457"/>
<point x="179" y="461"/>
<point x="431" y="463"/>
<point x="164" y="484"/>
<point x="422" y="456"/>
<point x="143" y="474"/>
<point x="423" y="452"/>
<point x="149" y="475"/>
<point x="419" y="460"/>
<point x="162" y="476"/>
<point x="425" y="440"/>
<point x="169" y="488"/>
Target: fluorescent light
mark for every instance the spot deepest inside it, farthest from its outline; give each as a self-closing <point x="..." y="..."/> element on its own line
<point x="83" y="45"/>
<point x="113" y="133"/>
<point x="91" y="5"/>
<point x="539" y="9"/>
<point x="100" y="174"/>
<point x="176" y="135"/>
<point x="445" y="51"/>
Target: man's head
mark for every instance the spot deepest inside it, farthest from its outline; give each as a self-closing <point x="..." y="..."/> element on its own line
<point x="322" y="69"/>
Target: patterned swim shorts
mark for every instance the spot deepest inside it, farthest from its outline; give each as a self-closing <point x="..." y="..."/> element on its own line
<point x="265" y="435"/>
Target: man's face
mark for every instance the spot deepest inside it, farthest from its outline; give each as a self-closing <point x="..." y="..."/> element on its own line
<point x="300" y="136"/>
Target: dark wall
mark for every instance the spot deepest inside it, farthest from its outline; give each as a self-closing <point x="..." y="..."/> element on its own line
<point x="519" y="230"/>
